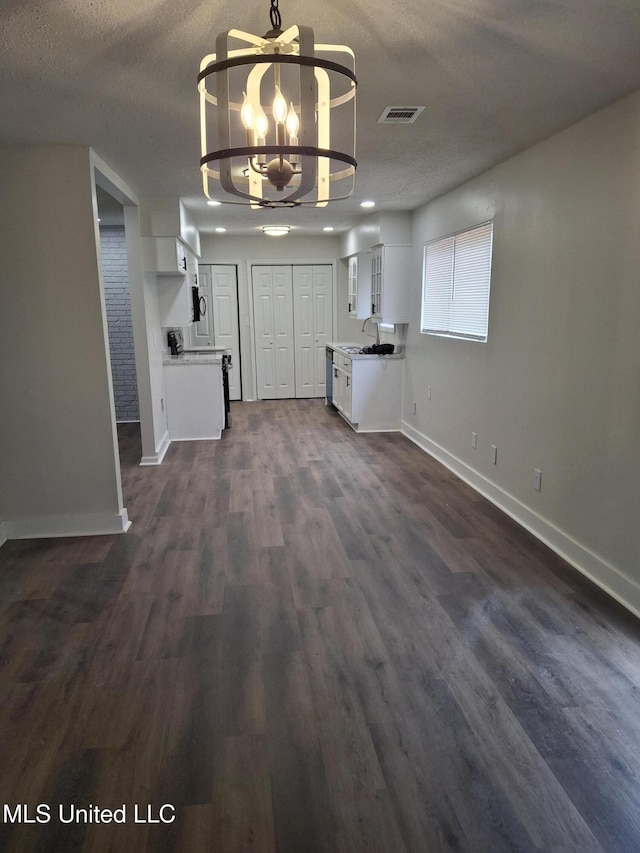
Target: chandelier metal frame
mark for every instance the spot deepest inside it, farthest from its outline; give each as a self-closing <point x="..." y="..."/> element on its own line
<point x="302" y="162"/>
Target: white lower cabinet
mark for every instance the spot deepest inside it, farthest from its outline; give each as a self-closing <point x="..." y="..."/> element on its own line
<point x="342" y="397"/>
<point x="194" y="401"/>
<point x="368" y="392"/>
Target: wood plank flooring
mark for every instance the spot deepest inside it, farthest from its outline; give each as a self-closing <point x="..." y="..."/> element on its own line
<point x="313" y="641"/>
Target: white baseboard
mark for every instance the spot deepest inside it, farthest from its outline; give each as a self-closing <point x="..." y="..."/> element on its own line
<point x="158" y="456"/>
<point x="47" y="526"/>
<point x="215" y="437"/>
<point x="607" y="577"/>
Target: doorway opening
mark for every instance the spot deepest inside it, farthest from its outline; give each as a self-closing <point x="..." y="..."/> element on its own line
<point x="115" y="276"/>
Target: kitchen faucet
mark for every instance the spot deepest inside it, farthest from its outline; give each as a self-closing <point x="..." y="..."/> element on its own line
<point x="377" y="328"/>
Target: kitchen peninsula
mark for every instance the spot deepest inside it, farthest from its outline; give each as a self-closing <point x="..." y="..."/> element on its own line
<point x="194" y="395"/>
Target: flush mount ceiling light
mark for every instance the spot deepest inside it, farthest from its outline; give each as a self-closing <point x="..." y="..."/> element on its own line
<point x="276" y="230"/>
<point x="281" y="117"/>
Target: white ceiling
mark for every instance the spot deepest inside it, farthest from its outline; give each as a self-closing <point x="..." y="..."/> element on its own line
<point x="495" y="77"/>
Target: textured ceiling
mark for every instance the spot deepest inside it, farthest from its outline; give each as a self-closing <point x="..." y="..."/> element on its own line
<point x="495" y="76"/>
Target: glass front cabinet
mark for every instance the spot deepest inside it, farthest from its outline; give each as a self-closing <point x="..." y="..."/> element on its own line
<point x="359" y="289"/>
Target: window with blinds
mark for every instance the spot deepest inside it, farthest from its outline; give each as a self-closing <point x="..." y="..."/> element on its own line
<point x="456" y="278"/>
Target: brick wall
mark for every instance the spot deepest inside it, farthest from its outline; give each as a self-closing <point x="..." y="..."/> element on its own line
<point x="116" y="291"/>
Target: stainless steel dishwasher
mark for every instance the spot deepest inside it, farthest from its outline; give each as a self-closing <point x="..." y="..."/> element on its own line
<point x="329" y="376"/>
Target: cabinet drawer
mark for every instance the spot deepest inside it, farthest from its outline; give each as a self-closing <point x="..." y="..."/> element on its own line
<point x="342" y="361"/>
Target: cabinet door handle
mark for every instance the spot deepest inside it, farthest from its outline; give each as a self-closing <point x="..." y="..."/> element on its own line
<point x="348" y="381"/>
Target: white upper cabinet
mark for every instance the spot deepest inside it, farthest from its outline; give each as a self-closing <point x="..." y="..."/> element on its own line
<point x="390" y="291"/>
<point x="165" y="256"/>
<point x="176" y="270"/>
<point x="359" y="279"/>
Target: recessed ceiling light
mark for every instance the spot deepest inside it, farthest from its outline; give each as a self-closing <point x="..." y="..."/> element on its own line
<point x="276" y="230"/>
<point x="221" y="230"/>
<point x="214" y="203"/>
<point x="367" y="204"/>
<point x="328" y="228"/>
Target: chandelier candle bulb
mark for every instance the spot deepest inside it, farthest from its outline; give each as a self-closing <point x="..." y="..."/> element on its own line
<point x="279" y="107"/>
<point x="248" y="119"/>
<point x="262" y="126"/>
<point x="293" y="125"/>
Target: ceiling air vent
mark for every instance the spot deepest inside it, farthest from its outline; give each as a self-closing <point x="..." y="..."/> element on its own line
<point x="399" y="115"/>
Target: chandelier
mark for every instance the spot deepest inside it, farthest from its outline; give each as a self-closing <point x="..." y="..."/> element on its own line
<point x="279" y="116"/>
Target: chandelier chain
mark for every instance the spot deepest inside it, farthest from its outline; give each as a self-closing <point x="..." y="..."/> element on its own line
<point x="274" y="14"/>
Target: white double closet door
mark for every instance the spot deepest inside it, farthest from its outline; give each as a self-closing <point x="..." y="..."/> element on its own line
<point x="293" y="322"/>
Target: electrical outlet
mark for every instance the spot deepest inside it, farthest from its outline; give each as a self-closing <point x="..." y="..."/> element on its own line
<point x="474" y="440"/>
<point x="162" y="403"/>
<point x="537" y="479"/>
<point x="428" y="392"/>
<point x="494" y="454"/>
<point x="415" y="407"/>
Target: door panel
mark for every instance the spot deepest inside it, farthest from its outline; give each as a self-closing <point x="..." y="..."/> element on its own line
<point x="283" y="328"/>
<point x="273" y="325"/>
<point x="323" y="322"/>
<point x="268" y="373"/>
<point x="226" y="324"/>
<point x="303" y="322"/>
<point x="263" y="330"/>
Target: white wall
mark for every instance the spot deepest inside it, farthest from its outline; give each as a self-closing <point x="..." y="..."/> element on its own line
<point x="244" y="251"/>
<point x="59" y="469"/>
<point x="557" y="386"/>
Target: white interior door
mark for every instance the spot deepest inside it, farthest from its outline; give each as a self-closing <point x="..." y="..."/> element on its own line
<point x="273" y="328"/>
<point x="312" y="299"/>
<point x="226" y="329"/>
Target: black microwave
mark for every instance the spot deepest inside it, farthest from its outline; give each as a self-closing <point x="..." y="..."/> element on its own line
<point x="198" y="303"/>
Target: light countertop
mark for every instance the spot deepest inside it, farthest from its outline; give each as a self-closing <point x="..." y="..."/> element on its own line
<point x="193" y="358"/>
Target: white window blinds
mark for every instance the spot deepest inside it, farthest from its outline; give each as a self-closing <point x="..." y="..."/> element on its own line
<point x="456" y="280"/>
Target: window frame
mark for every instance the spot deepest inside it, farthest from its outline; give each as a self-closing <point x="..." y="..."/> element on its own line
<point x="477" y="293"/>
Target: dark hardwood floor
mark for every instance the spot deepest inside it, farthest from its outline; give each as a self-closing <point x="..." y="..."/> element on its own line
<point x="313" y="641"/>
